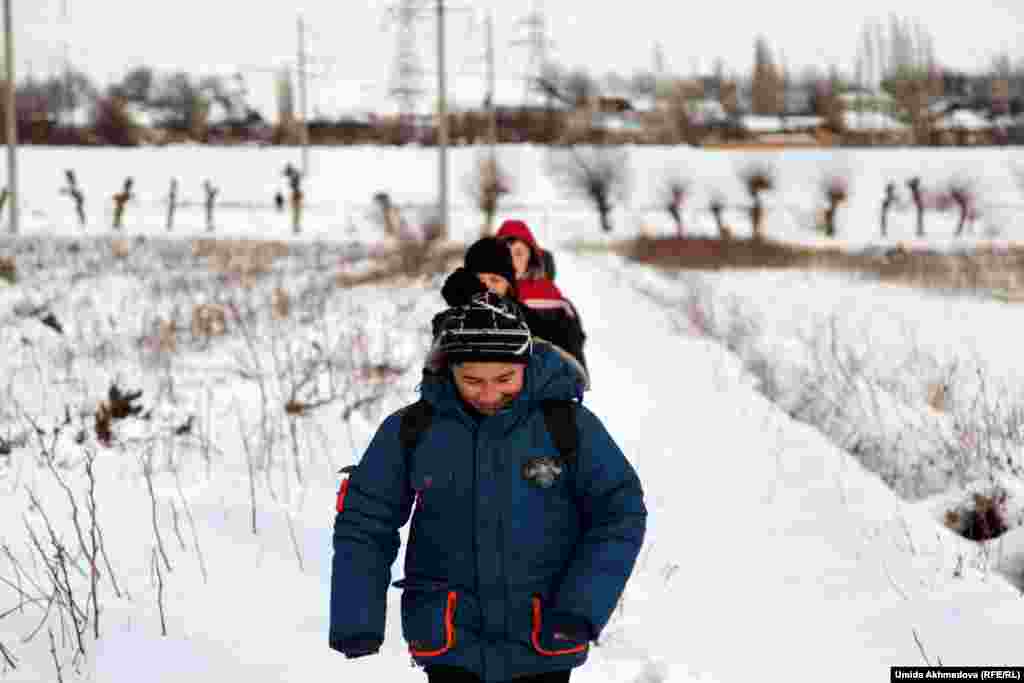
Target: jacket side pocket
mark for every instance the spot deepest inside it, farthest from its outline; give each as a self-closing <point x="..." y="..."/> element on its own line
<point x="542" y="641"/>
<point x="428" y="632"/>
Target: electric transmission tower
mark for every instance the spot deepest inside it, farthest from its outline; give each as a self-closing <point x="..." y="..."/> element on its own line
<point x="406" y="84"/>
<point x="537" y="45"/>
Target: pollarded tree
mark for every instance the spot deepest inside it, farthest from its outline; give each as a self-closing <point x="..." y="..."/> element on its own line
<point x="717" y="207"/>
<point x="835" y="188"/>
<point x="486" y="185"/>
<point x="917" y="194"/>
<point x="758" y="177"/>
<point x="963" y="193"/>
<point x="673" y="193"/>
<point x="887" y="202"/>
<point x="601" y="175"/>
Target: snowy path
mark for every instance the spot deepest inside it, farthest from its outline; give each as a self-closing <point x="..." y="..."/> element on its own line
<point x="787" y="552"/>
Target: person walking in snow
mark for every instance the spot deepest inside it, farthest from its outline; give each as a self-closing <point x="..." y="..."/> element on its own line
<point x="535" y="289"/>
<point x="488" y="265"/>
<point x="527" y="519"/>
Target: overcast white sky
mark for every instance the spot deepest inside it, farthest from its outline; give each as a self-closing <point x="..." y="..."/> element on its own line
<point x="106" y="37"/>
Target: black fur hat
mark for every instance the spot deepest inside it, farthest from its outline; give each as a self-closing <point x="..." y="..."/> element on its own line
<point x="491" y="255"/>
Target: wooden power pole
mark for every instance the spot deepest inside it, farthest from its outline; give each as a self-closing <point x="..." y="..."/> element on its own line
<point x="442" y="128"/>
<point x="11" y="118"/>
<point x="302" y="98"/>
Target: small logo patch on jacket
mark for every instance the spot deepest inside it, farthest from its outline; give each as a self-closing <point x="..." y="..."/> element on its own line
<point x="542" y="471"/>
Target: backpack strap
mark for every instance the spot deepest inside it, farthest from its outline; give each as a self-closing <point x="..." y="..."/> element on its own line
<point x="415" y="420"/>
<point x="560" y="419"/>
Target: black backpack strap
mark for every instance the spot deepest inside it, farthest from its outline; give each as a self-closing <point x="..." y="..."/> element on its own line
<point x="560" y="419"/>
<point x="415" y="419"/>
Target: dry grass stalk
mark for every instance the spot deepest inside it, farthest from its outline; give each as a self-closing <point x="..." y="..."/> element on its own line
<point x="208" y="320"/>
<point x="121" y="248"/>
<point x="937" y="396"/>
<point x="280" y="304"/>
<point x="168" y="333"/>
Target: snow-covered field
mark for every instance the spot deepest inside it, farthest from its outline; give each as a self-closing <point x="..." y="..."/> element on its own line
<point x="760" y="409"/>
<point x="342" y="182"/>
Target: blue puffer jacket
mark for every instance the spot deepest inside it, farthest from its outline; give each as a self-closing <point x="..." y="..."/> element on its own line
<point x="490" y="555"/>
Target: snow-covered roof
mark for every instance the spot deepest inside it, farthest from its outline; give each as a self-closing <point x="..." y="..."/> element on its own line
<point x="615" y="122"/>
<point x="774" y="124"/>
<point x="963" y="119"/>
<point x="1008" y="121"/>
<point x="140" y="115"/>
<point x="706" y="109"/>
<point x="644" y="103"/>
<point x="871" y="120"/>
<point x="78" y="117"/>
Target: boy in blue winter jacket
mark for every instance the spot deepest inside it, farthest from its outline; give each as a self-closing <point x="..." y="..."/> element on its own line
<point x="518" y="552"/>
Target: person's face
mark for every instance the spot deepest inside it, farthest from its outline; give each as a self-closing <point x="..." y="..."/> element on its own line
<point x="488" y="387"/>
<point x="495" y="283"/>
<point x="520" y="255"/>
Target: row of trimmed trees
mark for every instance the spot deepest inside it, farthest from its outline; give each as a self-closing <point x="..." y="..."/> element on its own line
<point x="601" y="176"/>
<point x="121" y="199"/>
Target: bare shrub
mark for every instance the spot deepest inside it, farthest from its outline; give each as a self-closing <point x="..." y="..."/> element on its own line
<point x="208" y="320"/>
<point x="600" y="175"/>
<point x="8" y="269"/>
<point x="242" y="259"/>
<point x="486" y="185"/>
<point x="758" y="177"/>
<point x="983" y="518"/>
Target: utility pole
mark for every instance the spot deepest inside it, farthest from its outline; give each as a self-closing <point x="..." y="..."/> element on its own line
<point x="12" y="128"/>
<point x="442" y="127"/>
<point x="304" y="134"/>
<point x="492" y="124"/>
<point x="68" y="98"/>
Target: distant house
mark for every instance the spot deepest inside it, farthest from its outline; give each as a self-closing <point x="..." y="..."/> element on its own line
<point x="963" y="127"/>
<point x="800" y="131"/>
<point x="874" y="127"/>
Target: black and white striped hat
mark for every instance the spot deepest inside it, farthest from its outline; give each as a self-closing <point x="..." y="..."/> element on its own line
<point x="488" y="328"/>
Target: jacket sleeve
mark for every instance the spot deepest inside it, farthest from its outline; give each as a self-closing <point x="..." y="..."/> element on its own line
<point x="614" y="517"/>
<point x="377" y="503"/>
